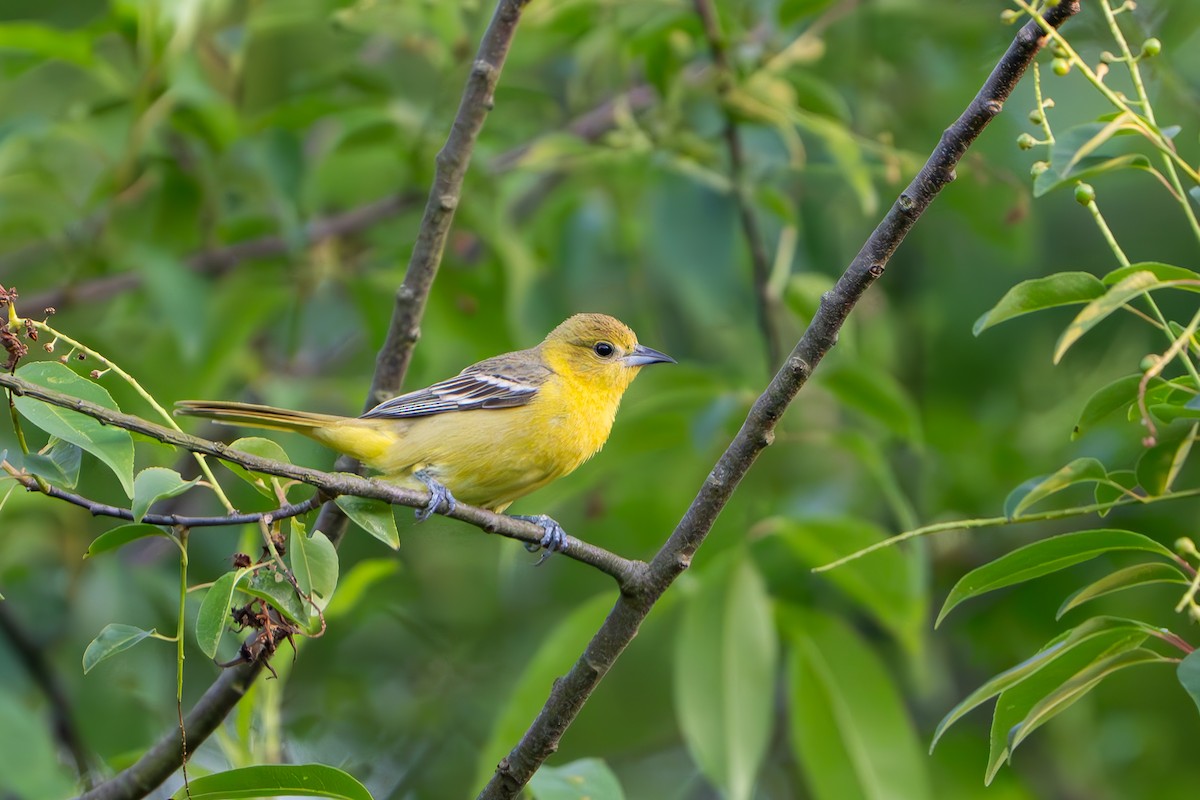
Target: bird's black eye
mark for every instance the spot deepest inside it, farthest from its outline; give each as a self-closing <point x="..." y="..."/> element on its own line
<point x="603" y="349"/>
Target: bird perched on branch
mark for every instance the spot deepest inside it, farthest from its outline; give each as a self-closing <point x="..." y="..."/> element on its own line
<point x="493" y="433"/>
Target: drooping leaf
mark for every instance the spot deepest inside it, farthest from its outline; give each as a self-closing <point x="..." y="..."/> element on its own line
<point x="1060" y="289"/>
<point x="275" y="780"/>
<point x="1043" y="557"/>
<point x="271" y="585"/>
<point x="1113" y="397"/>
<point x="1164" y="272"/>
<point x="1015" y="702"/>
<point x="1188" y="673"/>
<point x="110" y="444"/>
<point x="213" y="617"/>
<point x="1081" y="470"/>
<point x="373" y="516"/>
<point x="121" y="536"/>
<point x="1088" y="168"/>
<point x="1076" y="687"/>
<point x="1096" y="311"/>
<point x="314" y="562"/>
<point x="113" y="639"/>
<point x="585" y="779"/>
<point x="725" y="675"/>
<point x="154" y="484"/>
<point x="353" y="586"/>
<point x="849" y="726"/>
<point x="1127" y="578"/>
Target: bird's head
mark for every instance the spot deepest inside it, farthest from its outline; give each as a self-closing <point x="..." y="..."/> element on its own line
<point x="599" y="349"/>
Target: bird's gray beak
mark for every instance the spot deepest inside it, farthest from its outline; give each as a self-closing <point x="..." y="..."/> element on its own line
<point x="642" y="355"/>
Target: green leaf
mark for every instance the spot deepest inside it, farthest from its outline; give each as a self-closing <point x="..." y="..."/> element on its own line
<point x="887" y="585"/>
<point x="1087" y="169"/>
<point x="275" y="780"/>
<point x="877" y="395"/>
<point x="1127" y="578"/>
<point x="373" y="516"/>
<point x="1188" y="673"/>
<point x="1081" y="470"/>
<point x="1093" y="313"/>
<point x="725" y="675"/>
<point x="1079" y="684"/>
<point x="1164" y="272"/>
<point x="59" y="463"/>
<point x="1060" y="289"/>
<point x="110" y="444"/>
<point x="314" y="562"/>
<point x="1097" y="634"/>
<point x="121" y="536"/>
<point x="1119" y="394"/>
<point x="1042" y="558"/>
<point x="270" y="585"/>
<point x="1015" y="702"/>
<point x="154" y="484"/>
<point x="522" y="701"/>
<point x="263" y="448"/>
<point x="113" y="639"/>
<point x="1158" y="467"/>
<point x="850" y="729"/>
<point x="585" y="779"/>
<point x="213" y="617"/>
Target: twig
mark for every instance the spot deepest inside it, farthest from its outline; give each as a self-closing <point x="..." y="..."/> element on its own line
<point x="97" y="509"/>
<point x="570" y="693"/>
<point x="760" y="261"/>
<point x="332" y="484"/>
<point x="33" y="658"/>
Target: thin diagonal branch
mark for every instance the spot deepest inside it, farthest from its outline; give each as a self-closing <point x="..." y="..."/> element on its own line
<point x="97" y="509"/>
<point x="760" y="261"/>
<point x="332" y="484"/>
<point x="571" y="692"/>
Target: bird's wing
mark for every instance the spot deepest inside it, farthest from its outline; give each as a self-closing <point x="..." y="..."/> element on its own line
<point x="505" y="381"/>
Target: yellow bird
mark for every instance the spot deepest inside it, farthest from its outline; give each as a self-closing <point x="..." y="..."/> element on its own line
<point x="493" y="433"/>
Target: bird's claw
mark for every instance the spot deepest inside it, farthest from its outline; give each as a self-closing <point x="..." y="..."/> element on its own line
<point x="439" y="495"/>
<point x="554" y="539"/>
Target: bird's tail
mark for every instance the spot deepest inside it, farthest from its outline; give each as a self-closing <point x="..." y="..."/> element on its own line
<point x="256" y="416"/>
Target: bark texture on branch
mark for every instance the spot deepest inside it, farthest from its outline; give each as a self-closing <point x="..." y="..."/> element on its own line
<point x="571" y="692"/>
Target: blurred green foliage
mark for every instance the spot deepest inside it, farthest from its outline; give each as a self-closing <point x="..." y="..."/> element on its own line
<point x="135" y="134"/>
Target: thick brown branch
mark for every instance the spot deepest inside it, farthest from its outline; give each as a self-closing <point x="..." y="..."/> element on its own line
<point x="571" y="692"/>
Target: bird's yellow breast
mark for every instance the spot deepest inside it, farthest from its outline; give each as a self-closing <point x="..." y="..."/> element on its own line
<point x="488" y="457"/>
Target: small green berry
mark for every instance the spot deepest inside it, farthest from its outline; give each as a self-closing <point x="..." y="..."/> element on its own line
<point x="1026" y="142"/>
<point x="1038" y="168"/>
<point x="1085" y="195"/>
<point x="1058" y="50"/>
<point x="1149" y="362"/>
<point x="1060" y="66"/>
<point x="1151" y="48"/>
<point x="1036" y="117"/>
<point x="1009" y="15"/>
